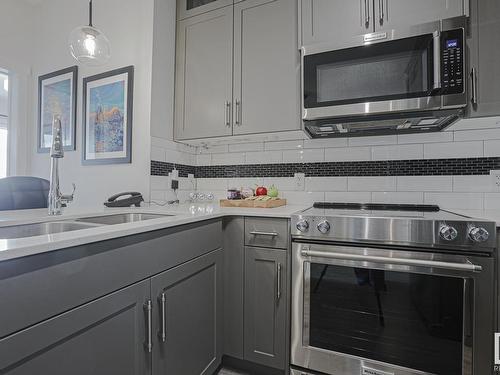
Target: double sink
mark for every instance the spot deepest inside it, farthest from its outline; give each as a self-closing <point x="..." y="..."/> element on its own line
<point x="60" y="226"/>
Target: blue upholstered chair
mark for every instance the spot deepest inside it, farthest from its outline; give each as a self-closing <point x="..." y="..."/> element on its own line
<point x="23" y="192"/>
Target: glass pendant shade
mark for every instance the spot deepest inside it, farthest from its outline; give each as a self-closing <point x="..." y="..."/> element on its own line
<point x="88" y="45"/>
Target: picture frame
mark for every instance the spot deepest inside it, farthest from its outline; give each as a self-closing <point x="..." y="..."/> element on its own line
<point x="107" y="117"/>
<point x="57" y="94"/>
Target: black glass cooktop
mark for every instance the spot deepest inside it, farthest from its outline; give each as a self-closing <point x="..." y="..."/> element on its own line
<point x="377" y="206"/>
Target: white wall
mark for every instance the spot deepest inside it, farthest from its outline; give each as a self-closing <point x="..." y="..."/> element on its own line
<point x="128" y="24"/>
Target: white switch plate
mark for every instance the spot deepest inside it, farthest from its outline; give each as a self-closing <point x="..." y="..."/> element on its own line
<point x="495" y="179"/>
<point x="300" y="181"/>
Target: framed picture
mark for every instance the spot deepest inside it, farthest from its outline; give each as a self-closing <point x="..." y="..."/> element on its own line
<point x="57" y="93"/>
<point x="107" y="117"/>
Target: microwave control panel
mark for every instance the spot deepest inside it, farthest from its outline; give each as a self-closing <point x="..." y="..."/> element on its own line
<point x="452" y="61"/>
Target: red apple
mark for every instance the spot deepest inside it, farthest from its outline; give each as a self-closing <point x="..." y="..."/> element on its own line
<point x="261" y="190"/>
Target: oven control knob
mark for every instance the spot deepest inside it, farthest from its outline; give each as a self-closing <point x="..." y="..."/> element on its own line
<point x="324" y="227"/>
<point x="478" y="234"/>
<point x="448" y="233"/>
<point x="303" y="226"/>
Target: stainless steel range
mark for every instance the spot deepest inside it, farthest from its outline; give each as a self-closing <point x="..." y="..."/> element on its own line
<point x="392" y="290"/>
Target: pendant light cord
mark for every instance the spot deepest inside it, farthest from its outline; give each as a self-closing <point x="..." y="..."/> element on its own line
<point x="90" y="13"/>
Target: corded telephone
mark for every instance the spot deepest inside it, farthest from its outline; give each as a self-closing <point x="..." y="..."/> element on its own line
<point x="131" y="198"/>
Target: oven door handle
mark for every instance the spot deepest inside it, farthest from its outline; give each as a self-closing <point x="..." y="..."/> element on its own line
<point x="469" y="267"/>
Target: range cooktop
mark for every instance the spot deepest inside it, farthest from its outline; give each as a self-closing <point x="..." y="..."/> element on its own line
<point x="394" y="224"/>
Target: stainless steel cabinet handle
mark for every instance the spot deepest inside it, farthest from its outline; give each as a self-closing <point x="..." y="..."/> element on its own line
<point x="473" y="80"/>
<point x="381" y="12"/>
<point x="163" y="318"/>
<point x="367" y="14"/>
<point x="278" y="293"/>
<point x="388" y="260"/>
<point x="148" y="308"/>
<point x="237" y="110"/>
<point x="257" y="233"/>
<point x="227" y="114"/>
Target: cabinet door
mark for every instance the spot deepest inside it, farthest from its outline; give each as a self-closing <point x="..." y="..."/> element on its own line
<point x="335" y="20"/>
<point x="265" y="306"/>
<point x="484" y="58"/>
<point x="204" y="75"/>
<point x="266" y="67"/>
<point x="393" y="14"/>
<point x="103" y="337"/>
<point x="188" y="319"/>
<point x="190" y="8"/>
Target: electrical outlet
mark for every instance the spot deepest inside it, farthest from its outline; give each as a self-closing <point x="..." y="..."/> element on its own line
<point x="300" y="181"/>
<point x="495" y="179"/>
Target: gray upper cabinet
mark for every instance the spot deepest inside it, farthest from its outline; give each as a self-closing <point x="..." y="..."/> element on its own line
<point x="204" y="75"/>
<point x="337" y="21"/>
<point x="265" y="306"/>
<point x="266" y="67"/>
<point x="190" y="8"/>
<point x="484" y="74"/>
<point x="103" y="337"/>
<point x="391" y="14"/>
<point x="325" y="21"/>
<point x="188" y="319"/>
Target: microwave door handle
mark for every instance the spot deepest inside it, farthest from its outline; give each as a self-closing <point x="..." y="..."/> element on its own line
<point x="436" y="39"/>
<point x="464" y="267"/>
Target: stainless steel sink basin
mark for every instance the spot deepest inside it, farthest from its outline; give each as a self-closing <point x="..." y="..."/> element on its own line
<point x="120" y="218"/>
<point x="39" y="229"/>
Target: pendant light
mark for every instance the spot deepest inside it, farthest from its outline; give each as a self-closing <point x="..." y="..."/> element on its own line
<point x="88" y="45"/>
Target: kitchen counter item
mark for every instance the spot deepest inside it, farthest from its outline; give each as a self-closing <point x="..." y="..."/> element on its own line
<point x="252" y="203"/>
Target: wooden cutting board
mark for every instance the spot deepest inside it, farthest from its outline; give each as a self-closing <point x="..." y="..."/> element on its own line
<point x="252" y="203"/>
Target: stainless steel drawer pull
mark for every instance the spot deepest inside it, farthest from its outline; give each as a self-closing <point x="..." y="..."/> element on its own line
<point x="473" y="78"/>
<point x="271" y="234"/>
<point x="400" y="261"/>
<point x="148" y="308"/>
<point x="278" y="287"/>
<point x="163" y="318"/>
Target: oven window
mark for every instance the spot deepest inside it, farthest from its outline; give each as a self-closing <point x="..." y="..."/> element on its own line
<point x="410" y="320"/>
<point x="385" y="71"/>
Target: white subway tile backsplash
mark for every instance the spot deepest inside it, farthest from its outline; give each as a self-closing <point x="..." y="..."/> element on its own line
<point x="473" y="149"/>
<point x="398" y="152"/>
<point x="203" y="159"/>
<point x="477" y="135"/>
<point x="242" y="147"/>
<point x="213" y="149"/>
<point x="158" y="153"/>
<point x="444" y="136"/>
<point x="326" y="183"/>
<point x="425" y="183"/>
<point x="303" y="156"/>
<point x="283" y="183"/>
<point x="378" y="183"/>
<point x="398" y="197"/>
<point x="303" y="197"/>
<point x="233" y="158"/>
<point x="492" y="148"/>
<point x="284" y="145"/>
<point x="348" y="154"/>
<point x="371" y="141"/>
<point x="208" y="184"/>
<point x="492" y="201"/>
<point x="468" y="201"/>
<point x="349" y="197"/>
<point x="479" y="184"/>
<point x="264" y="157"/>
<point x="325" y="143"/>
<point x="477" y="123"/>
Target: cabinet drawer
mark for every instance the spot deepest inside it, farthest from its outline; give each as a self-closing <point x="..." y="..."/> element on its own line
<point x="266" y="232"/>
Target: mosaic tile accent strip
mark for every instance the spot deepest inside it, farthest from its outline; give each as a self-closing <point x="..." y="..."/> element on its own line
<point x="425" y="167"/>
<point x="161" y="168"/>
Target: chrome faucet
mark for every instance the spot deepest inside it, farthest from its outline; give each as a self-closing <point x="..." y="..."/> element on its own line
<point x="56" y="200"/>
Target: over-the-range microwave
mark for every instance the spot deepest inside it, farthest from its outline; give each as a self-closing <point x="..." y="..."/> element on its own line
<point x="398" y="81"/>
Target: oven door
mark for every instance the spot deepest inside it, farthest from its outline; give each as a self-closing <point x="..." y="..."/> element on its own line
<point x="379" y="311"/>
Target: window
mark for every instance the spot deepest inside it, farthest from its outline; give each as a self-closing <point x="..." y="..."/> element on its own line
<point x="4" y="121"/>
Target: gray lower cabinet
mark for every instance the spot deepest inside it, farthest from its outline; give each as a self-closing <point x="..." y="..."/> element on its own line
<point x="187" y="324"/>
<point x="484" y="73"/>
<point x="265" y="306"/>
<point x="102" y="337"/>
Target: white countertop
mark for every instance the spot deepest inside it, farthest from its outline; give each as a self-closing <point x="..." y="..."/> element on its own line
<point x="183" y="214"/>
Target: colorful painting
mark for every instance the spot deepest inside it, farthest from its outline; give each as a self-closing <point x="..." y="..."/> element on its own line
<point x="108" y="117"/>
<point x="57" y="96"/>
